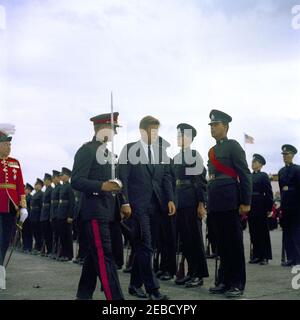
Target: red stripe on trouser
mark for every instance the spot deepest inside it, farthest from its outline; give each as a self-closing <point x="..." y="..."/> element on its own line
<point x="101" y="259"/>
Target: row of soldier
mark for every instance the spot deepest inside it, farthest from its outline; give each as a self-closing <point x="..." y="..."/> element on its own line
<point x="51" y="214"/>
<point x="148" y="195"/>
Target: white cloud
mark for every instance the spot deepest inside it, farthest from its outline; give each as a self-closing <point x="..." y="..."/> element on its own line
<point x="2" y="17"/>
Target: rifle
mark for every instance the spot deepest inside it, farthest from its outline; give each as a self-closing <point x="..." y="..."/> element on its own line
<point x="283" y="253"/>
<point x="216" y="268"/>
<point x="127" y="256"/>
<point x="251" y="250"/>
<point x="180" y="271"/>
<point x="156" y="260"/>
<point x="179" y="265"/>
<point x="207" y="243"/>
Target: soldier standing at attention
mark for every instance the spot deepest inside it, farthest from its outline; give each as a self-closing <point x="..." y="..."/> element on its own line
<point x="35" y="215"/>
<point x="53" y="212"/>
<point x="45" y="217"/>
<point x="26" y="231"/>
<point x="65" y="213"/>
<point x="92" y="174"/>
<point x="289" y="184"/>
<point x="261" y="206"/>
<point x="229" y="195"/>
<point x="188" y="167"/>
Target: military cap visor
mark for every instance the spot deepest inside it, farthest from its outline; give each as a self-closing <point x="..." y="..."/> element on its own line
<point x="55" y="173"/>
<point x="187" y="129"/>
<point x="288" y="148"/>
<point x="217" y="116"/>
<point x="40" y="182"/>
<point x="105" y="119"/>
<point x="29" y="186"/>
<point x="66" y="171"/>
<point x="47" y="176"/>
<point x="259" y="158"/>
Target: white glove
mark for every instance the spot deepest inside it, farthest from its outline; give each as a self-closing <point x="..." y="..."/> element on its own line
<point x="23" y="214"/>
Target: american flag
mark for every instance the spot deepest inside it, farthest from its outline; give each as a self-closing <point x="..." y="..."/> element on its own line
<point x="248" y="139"/>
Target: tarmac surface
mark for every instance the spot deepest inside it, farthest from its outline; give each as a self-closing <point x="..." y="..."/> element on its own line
<point x="38" y="278"/>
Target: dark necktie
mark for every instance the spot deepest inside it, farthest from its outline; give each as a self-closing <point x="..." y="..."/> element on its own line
<point x="149" y="154"/>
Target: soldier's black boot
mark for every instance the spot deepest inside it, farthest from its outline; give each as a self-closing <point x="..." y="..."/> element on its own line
<point x="255" y="260"/>
<point x="234" y="293"/>
<point x="194" y="282"/>
<point x="288" y="263"/>
<point x="138" y="292"/>
<point x="183" y="280"/>
<point x="156" y="295"/>
<point x="166" y="276"/>
<point x="219" y="289"/>
<point x="264" y="262"/>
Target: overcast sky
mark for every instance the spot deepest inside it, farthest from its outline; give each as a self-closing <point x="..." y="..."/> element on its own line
<point x="173" y="59"/>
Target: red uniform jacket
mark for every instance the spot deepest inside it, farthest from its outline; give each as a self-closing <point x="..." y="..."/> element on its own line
<point x="11" y="185"/>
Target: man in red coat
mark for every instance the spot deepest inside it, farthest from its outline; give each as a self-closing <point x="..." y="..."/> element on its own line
<point x="12" y="194"/>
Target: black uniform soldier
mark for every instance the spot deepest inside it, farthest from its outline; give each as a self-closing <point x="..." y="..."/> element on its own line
<point x="188" y="167"/>
<point x="26" y="231"/>
<point x="65" y="213"/>
<point x="229" y="193"/>
<point x="46" y="229"/>
<point x="289" y="184"/>
<point x="261" y="206"/>
<point x="166" y="238"/>
<point x="91" y="176"/>
<point x="53" y="213"/>
<point x="35" y="215"/>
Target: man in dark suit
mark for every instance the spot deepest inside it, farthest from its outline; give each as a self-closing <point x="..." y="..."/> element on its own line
<point x="289" y="184"/>
<point x="92" y="176"/>
<point x="147" y="193"/>
<point x="229" y="194"/>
